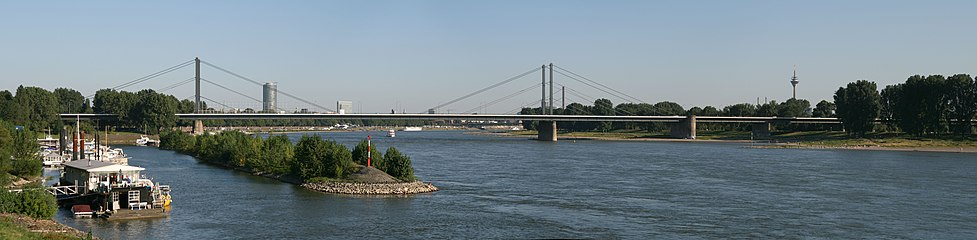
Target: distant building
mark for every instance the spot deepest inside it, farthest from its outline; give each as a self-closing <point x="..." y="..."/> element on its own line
<point x="344" y="107"/>
<point x="270" y="98"/>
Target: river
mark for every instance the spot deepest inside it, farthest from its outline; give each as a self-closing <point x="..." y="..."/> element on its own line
<point x="501" y="187"/>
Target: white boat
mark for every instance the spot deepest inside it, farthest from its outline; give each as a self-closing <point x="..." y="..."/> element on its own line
<point x="413" y="129"/>
<point x="391" y="133"/>
<point x="145" y="141"/>
<point x="52" y="158"/>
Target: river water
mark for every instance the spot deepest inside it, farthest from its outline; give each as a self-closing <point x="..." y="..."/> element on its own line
<point x="501" y="187"/>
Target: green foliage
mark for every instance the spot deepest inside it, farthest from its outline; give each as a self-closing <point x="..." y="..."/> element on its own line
<point x="277" y="155"/>
<point x="794" y="108"/>
<point x="376" y="157"/>
<point x="36" y="108"/>
<point x="961" y="97"/>
<point x="858" y="106"/>
<point x="767" y="109"/>
<point x="177" y="141"/>
<point x="7" y="106"/>
<point x="69" y="100"/>
<point x="398" y="165"/>
<point x="824" y="109"/>
<point x="603" y="107"/>
<point x="26" y="160"/>
<point x="316" y="157"/>
<point x="6" y="151"/>
<point x="153" y="111"/>
<point x="36" y="203"/>
<point x="740" y="110"/>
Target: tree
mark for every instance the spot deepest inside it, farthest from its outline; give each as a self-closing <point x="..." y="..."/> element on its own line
<point x="69" y="100"/>
<point x="313" y="151"/>
<point x="36" y="108"/>
<point x="824" y="109"/>
<point x="891" y="111"/>
<point x="399" y="165"/>
<point x="666" y="108"/>
<point x="711" y="111"/>
<point x="278" y="154"/>
<point x="740" y="110"/>
<point x="26" y="160"/>
<point x="154" y="111"/>
<point x="767" y="109"/>
<point x="7" y="106"/>
<point x="794" y="108"/>
<point x="6" y="151"/>
<point x="858" y="106"/>
<point x="961" y="97"/>
<point x="603" y="107"/>
<point x="920" y="104"/>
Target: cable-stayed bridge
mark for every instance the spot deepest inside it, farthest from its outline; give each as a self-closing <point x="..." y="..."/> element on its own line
<point x="681" y="126"/>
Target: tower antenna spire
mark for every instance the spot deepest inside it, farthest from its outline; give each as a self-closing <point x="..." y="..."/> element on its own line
<point x="794" y="81"/>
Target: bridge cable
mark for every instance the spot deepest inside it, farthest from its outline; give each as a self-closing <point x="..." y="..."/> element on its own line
<point x="148" y="77"/>
<point x="598" y="83"/>
<point x="260" y="84"/>
<point x="507" y="97"/>
<point x="181" y="83"/>
<point x="591" y="85"/>
<point x="487" y="88"/>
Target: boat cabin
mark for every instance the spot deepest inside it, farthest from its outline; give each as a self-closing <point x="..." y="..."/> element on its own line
<point x="101" y="176"/>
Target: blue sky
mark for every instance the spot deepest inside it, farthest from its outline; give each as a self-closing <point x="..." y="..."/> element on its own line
<point x="416" y="54"/>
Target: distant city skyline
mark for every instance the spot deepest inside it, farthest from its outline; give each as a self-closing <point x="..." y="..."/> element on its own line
<point x="410" y="56"/>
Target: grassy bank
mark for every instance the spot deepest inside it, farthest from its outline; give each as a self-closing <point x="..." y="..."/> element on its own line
<point x="13" y="226"/>
<point x="812" y="139"/>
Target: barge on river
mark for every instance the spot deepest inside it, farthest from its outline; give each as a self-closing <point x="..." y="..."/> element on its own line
<point x="112" y="190"/>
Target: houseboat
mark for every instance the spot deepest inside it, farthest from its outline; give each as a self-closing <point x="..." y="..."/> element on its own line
<point x="114" y="190"/>
<point x="413" y="129"/>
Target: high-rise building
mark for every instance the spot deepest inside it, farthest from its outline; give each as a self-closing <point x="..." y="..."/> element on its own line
<point x="344" y="107"/>
<point x="794" y="82"/>
<point x="269" y="98"/>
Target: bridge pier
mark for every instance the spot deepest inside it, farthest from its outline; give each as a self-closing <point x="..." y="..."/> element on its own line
<point x="761" y="129"/>
<point x="684" y="128"/>
<point x="198" y="127"/>
<point x="547" y="131"/>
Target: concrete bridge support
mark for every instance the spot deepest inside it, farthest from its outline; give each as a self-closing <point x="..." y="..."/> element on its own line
<point x="761" y="130"/>
<point x="684" y="128"/>
<point x="547" y="131"/>
<point x="198" y="127"/>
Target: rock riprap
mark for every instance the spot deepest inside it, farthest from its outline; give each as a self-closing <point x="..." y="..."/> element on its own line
<point x="372" y="188"/>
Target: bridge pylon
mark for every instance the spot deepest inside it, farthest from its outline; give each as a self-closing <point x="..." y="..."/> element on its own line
<point x="546" y="131"/>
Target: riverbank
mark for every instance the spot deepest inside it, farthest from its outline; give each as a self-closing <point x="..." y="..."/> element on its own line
<point x="15" y="226"/>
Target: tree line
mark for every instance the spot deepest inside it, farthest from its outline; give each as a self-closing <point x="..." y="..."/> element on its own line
<point x="309" y="159"/>
<point x="790" y="108"/>
<point x="919" y="106"/>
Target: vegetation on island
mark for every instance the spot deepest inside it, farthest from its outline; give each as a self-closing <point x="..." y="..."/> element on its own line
<point x="308" y="159"/>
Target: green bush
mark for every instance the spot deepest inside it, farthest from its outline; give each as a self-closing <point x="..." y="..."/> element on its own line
<point x="36" y="203"/>
<point x="398" y="165"/>
<point x="315" y="157"/>
<point x="277" y="154"/>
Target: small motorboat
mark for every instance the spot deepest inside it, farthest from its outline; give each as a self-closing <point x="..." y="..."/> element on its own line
<point x="82" y="211"/>
<point x="391" y="133"/>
